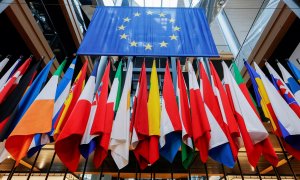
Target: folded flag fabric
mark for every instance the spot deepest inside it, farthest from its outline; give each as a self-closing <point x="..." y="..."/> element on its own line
<point x="71" y="100"/>
<point x="282" y="88"/>
<point x="200" y="124"/>
<point x="287" y="119"/>
<point x="14" y="80"/>
<point x="41" y="139"/>
<point x="8" y="73"/>
<point x="62" y="92"/>
<point x="219" y="145"/>
<point x="12" y="101"/>
<point x="227" y="110"/>
<point x="3" y="63"/>
<point x="88" y="141"/>
<point x="36" y="120"/>
<point x="26" y="101"/>
<point x="68" y="141"/>
<point x="170" y="124"/>
<point x="188" y="153"/>
<point x="240" y="81"/>
<point x="120" y="137"/>
<point x="294" y="69"/>
<point x="140" y="123"/>
<point x="290" y="82"/>
<point x="104" y="117"/>
<point x="254" y="134"/>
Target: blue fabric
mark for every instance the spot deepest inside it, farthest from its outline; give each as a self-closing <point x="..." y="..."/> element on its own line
<point x="293" y="85"/>
<point x="104" y="33"/>
<point x="223" y="155"/>
<point x="295" y="70"/>
<point x="170" y="149"/>
<point x="30" y="95"/>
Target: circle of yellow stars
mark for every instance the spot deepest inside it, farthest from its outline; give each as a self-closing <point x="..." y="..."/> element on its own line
<point x="148" y="46"/>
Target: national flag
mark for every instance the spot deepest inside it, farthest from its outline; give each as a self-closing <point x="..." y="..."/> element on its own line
<point x="187" y="146"/>
<point x="287" y="120"/>
<point x="200" y="124"/>
<point x="107" y="109"/>
<point x="240" y="81"/>
<point x="8" y="73"/>
<point x="170" y="124"/>
<point x="254" y="134"/>
<point x="154" y="115"/>
<point x="11" y="102"/>
<point x="290" y="82"/>
<point x="88" y="141"/>
<point x="3" y="63"/>
<point x="31" y="93"/>
<point x="282" y="88"/>
<point x="68" y="141"/>
<point x="220" y="143"/>
<point x="294" y="69"/>
<point x="41" y="139"/>
<point x="62" y="92"/>
<point x="71" y="100"/>
<point x="120" y="136"/>
<point x="227" y="110"/>
<point x="14" y="80"/>
<point x="139" y="122"/>
<point x="37" y="119"/>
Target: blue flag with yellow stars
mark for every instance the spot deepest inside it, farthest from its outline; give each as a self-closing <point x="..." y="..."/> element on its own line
<point x="140" y="31"/>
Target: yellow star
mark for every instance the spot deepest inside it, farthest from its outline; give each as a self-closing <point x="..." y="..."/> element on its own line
<point x="172" y="20"/>
<point x="173" y="37"/>
<point x="122" y="27"/>
<point x="149" y="12"/>
<point x="162" y="14"/>
<point x="126" y="19"/>
<point x="123" y="36"/>
<point x="148" y="46"/>
<point x="137" y="14"/>
<point x="163" y="44"/>
<point x="176" y="28"/>
<point x="133" y="43"/>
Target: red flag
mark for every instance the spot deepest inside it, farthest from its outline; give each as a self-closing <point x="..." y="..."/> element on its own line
<point x="103" y="120"/>
<point x="211" y="101"/>
<point x="68" y="141"/>
<point x="14" y="80"/>
<point x="140" y="128"/>
<point x="200" y="124"/>
<point x="224" y="102"/>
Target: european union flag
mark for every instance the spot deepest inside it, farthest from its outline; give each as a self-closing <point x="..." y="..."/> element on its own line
<point x="140" y="31"/>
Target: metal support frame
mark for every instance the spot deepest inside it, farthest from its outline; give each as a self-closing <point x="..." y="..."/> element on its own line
<point x="228" y="33"/>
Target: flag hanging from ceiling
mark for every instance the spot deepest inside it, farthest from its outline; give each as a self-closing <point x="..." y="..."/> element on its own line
<point x="148" y="31"/>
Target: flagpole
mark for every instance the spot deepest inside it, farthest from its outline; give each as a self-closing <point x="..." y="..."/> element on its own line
<point x="286" y="158"/>
<point x="276" y="172"/>
<point x="101" y="172"/>
<point x="172" y="171"/>
<point x="224" y="172"/>
<point x="84" y="168"/>
<point x="66" y="172"/>
<point x="259" y="175"/>
<point x="118" y="175"/>
<point x="206" y="172"/>
<point x="34" y="162"/>
<point x="239" y="165"/>
<point x="51" y="163"/>
<point x="12" y="171"/>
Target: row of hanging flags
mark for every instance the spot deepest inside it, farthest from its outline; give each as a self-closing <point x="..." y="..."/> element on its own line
<point x="213" y="117"/>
